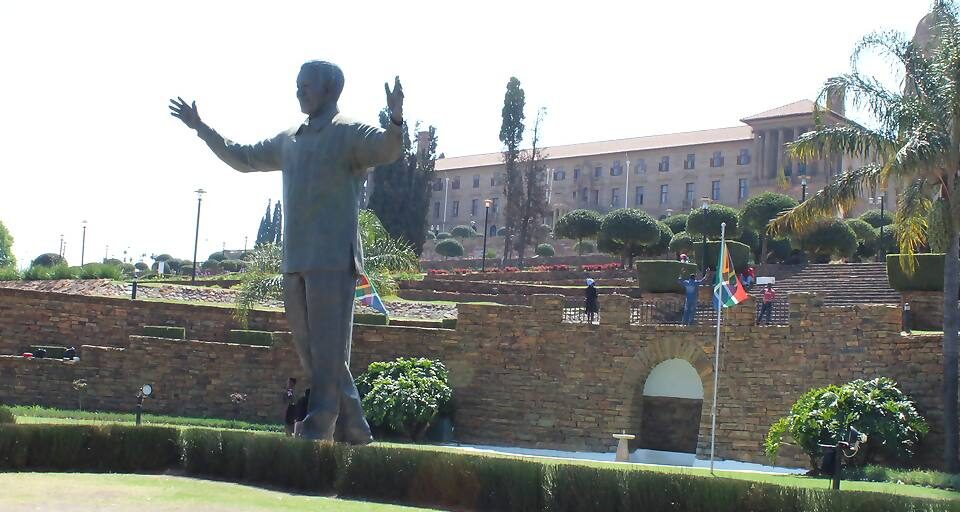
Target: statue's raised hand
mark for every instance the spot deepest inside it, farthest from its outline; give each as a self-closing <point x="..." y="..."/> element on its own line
<point x="186" y="112"/>
<point x="394" y="101"/>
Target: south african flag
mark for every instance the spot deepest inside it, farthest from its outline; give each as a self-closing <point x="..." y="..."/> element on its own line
<point x="368" y="295"/>
<point x="727" y="290"/>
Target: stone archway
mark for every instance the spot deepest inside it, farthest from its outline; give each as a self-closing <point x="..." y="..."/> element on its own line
<point x="672" y="405"/>
<point x="696" y="360"/>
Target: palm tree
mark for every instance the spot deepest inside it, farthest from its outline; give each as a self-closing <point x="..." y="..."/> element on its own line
<point x="916" y="145"/>
<point x="383" y="256"/>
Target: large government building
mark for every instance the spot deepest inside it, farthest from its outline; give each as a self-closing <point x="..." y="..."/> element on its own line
<point x="660" y="174"/>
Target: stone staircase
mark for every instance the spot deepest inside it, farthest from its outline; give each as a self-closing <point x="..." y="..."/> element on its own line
<point x="838" y="285"/>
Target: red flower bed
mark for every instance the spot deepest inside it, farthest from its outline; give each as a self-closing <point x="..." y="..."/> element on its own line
<point x="437" y="272"/>
<point x="602" y="266"/>
<point x="550" y="268"/>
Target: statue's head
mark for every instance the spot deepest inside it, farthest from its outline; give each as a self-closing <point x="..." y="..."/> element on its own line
<point x="319" y="85"/>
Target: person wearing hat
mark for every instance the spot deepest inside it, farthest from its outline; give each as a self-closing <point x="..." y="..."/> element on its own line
<point x="590" y="301"/>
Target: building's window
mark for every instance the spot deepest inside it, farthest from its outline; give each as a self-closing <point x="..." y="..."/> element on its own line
<point x="596" y="197"/>
<point x="641" y="167"/>
<point x="638" y="198"/>
<point x="615" y="197"/>
<point x="597" y="172"/>
<point x="437" y="185"/>
<point x="576" y="173"/>
<point x="744" y="157"/>
<point x="583" y="195"/>
<point x="493" y="181"/>
<point x="616" y="169"/>
<point x="688" y="195"/>
<point x="715" y="190"/>
<point x="690" y="162"/>
<point x="801" y="168"/>
<point x="455" y="211"/>
<point x="476" y="181"/>
<point x="456" y="183"/>
<point x="742" y="190"/>
<point x="717" y="159"/>
<point x="663" y="193"/>
<point x="574" y="196"/>
<point x="436" y="209"/>
<point x="559" y="174"/>
<point x="495" y="204"/>
<point x="474" y="207"/>
<point x="664" y="164"/>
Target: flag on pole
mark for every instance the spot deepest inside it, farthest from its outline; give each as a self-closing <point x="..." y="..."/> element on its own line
<point x="368" y="295"/>
<point x="727" y="290"/>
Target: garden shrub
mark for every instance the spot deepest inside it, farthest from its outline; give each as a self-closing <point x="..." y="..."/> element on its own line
<point x="584" y="247"/>
<point x="403" y="396"/>
<point x="449" y="248"/>
<point x="212" y="266"/>
<point x="448" y="323"/>
<point x="48" y="260"/>
<point x="443" y="235"/>
<point x="926" y="276"/>
<point x="6" y="416"/>
<point x="706" y="222"/>
<point x="112" y="261"/>
<point x="681" y="242"/>
<point x="545" y="250"/>
<point x="676" y="222"/>
<point x="141" y="266"/>
<point x="827" y="239"/>
<point x="165" y="331"/>
<point x="876" y="407"/>
<point x="575" y="488"/>
<point x="217" y="256"/>
<point x="874" y="218"/>
<point x="233" y="265"/>
<point x="431" y="236"/>
<point x="778" y="250"/>
<point x="577" y="225"/>
<point x="370" y="319"/>
<point x="739" y="254"/>
<point x="100" y="271"/>
<point x="43" y="273"/>
<point x="660" y="276"/>
<point x="185" y="270"/>
<point x="463" y="232"/>
<point x="9" y="273"/>
<point x="248" y="337"/>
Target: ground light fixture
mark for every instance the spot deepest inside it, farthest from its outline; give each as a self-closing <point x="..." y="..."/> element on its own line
<point x="145" y="391"/>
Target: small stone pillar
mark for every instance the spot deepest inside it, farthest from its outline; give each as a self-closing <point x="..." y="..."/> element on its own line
<point x="614" y="309"/>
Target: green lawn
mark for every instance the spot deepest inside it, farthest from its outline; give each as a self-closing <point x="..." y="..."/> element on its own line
<point x="156" y="493"/>
<point x="55" y="416"/>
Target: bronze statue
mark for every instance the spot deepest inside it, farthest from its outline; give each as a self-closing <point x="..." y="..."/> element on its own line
<point x="324" y="163"/>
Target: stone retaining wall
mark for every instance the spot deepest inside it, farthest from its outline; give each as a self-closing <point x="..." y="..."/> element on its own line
<point x="521" y="376"/>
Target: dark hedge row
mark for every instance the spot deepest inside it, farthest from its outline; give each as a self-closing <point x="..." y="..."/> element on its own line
<point x="412" y="475"/>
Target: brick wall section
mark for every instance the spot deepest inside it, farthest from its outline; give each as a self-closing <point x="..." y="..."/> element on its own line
<point x="521" y="376"/>
<point x="926" y="309"/>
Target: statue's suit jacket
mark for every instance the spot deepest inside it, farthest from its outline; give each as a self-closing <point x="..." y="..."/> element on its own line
<point x="324" y="164"/>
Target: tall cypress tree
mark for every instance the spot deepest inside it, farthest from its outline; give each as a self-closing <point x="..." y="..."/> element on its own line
<point x="265" y="226"/>
<point x="511" y="135"/>
<point x="401" y="189"/>
<point x="276" y="235"/>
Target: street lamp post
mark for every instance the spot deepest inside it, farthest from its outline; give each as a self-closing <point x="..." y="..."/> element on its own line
<point x="704" y="202"/>
<point x="83" y="243"/>
<point x="61" y="245"/>
<point x="881" y="199"/>
<point x="486" y="217"/>
<point x="196" y="238"/>
<point x="803" y="190"/>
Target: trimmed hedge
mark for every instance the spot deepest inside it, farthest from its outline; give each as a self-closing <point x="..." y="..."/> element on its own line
<point x="410" y="475"/>
<point x="165" y="331"/>
<point x="448" y="323"/>
<point x="247" y="337"/>
<point x="927" y="276"/>
<point x="6" y="416"/>
<point x="660" y="276"/>
<point x="370" y="319"/>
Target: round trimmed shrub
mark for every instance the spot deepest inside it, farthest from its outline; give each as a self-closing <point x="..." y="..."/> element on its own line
<point x="779" y="250"/>
<point x="545" y="250"/>
<point x="874" y="218"/>
<point x="233" y="265"/>
<point x="162" y="257"/>
<point x="449" y="248"/>
<point x="185" y="270"/>
<point x="212" y="266"/>
<point x="443" y="235"/>
<point x="706" y="222"/>
<point x="682" y="242"/>
<point x="866" y="237"/>
<point x="749" y="238"/>
<point x="827" y="239"/>
<point x="141" y="266"/>
<point x="463" y="231"/>
<point x="217" y="256"/>
<point x="127" y="268"/>
<point x="584" y="247"/>
<point x="577" y="225"/>
<point x="6" y="415"/>
<point x="662" y="245"/>
<point x="625" y="231"/>
<point x="48" y="260"/>
<point x="113" y="261"/>
<point x="677" y="222"/>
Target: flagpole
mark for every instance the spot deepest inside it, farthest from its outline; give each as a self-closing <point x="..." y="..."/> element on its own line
<point x="716" y="349"/>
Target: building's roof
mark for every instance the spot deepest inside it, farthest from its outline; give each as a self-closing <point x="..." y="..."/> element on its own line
<point x="587" y="149"/>
<point x="802" y="107"/>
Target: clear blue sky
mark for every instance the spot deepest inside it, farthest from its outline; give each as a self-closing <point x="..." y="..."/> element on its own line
<point x="86" y="133"/>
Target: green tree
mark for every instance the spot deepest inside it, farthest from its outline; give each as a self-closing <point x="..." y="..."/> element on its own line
<point x="6" y="248"/>
<point x="759" y="210"/>
<point x="915" y="144"/>
<point x="449" y="248"/>
<point x="876" y="220"/>
<point x="706" y="222"/>
<point x="401" y="189"/>
<point x="48" y="259"/>
<point x="682" y="242"/>
<point x="276" y="227"/>
<point x="677" y="222"/>
<point x="577" y="225"/>
<point x="629" y="230"/>
<point x="866" y="236"/>
<point x="463" y="232"/>
<point x="511" y="135"/>
<point x="827" y="238"/>
<point x="533" y="203"/>
<point x="264" y="231"/>
<point x="662" y="244"/>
